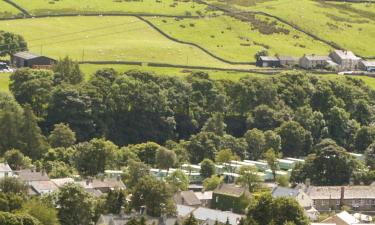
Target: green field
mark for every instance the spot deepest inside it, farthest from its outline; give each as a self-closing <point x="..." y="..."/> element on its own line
<point x="108" y="39"/>
<point x="352" y="26"/>
<point x="4" y="82"/>
<point x="238" y="41"/>
<point x="164" y="7"/>
<point x="8" y="11"/>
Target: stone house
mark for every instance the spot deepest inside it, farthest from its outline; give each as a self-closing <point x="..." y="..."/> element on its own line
<point x="314" y="62"/>
<point x="346" y="60"/>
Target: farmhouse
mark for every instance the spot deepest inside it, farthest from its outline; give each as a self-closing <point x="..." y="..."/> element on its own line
<point x="27" y="59"/>
<point x="368" y="66"/>
<point x="314" y="61"/>
<point x="268" y="61"/>
<point x="359" y="198"/>
<point x="345" y="59"/>
<point x="288" y="61"/>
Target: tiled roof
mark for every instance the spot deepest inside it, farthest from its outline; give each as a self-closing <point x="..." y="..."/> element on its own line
<point x="190" y="198"/>
<point x="269" y="58"/>
<point x="284" y="192"/>
<point x="184" y="210"/>
<point x="317" y="58"/>
<point x="29" y="175"/>
<point x="230" y="189"/>
<point x="334" y="192"/>
<point x="368" y="63"/>
<point x="62" y="181"/>
<point x="43" y="186"/>
<point x="206" y="195"/>
<point x="346" y="54"/>
<point x="212" y="214"/>
<point x="105" y="183"/>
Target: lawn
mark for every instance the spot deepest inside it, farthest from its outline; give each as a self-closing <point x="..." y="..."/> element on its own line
<point x="4" y="82"/>
<point x="352" y="26"/>
<point x="8" y="11"/>
<point x="238" y="41"/>
<point x="107" y="39"/>
<point x="165" y="7"/>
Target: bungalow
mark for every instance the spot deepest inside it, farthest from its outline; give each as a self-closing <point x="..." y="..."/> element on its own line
<point x="5" y="170"/>
<point x="288" y="61"/>
<point x="368" y="66"/>
<point x="346" y="60"/>
<point x="268" y="61"/>
<point x="230" y="197"/>
<point x="27" y="59"/>
<point x="313" y="61"/>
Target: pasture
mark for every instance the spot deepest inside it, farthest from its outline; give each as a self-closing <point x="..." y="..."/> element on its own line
<point x="8" y="11"/>
<point x="103" y="38"/>
<point x="236" y="40"/>
<point x="350" y="25"/>
<point x="165" y="7"/>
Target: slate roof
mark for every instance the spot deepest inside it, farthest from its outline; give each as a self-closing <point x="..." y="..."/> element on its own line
<point x="105" y="183"/>
<point x="26" y="55"/>
<point x="212" y="214"/>
<point x="110" y="219"/>
<point x="62" y="181"/>
<point x="4" y="167"/>
<point x="317" y="58"/>
<point x="184" y="210"/>
<point x="28" y="175"/>
<point x="41" y="187"/>
<point x="190" y="198"/>
<point x="344" y="216"/>
<point x="288" y="58"/>
<point x="284" y="192"/>
<point x="269" y="58"/>
<point x="206" y="195"/>
<point x="346" y="54"/>
<point x="334" y="192"/>
<point x="368" y="63"/>
<point x="230" y="189"/>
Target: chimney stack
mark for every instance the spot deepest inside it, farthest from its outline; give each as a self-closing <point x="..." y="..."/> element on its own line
<point x="342" y="196"/>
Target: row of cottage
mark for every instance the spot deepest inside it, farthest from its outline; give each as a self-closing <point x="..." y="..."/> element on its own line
<point x="337" y="60"/>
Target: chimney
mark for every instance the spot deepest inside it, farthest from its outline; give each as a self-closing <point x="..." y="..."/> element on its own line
<point x="307" y="182"/>
<point x="118" y="178"/>
<point x="342" y="196"/>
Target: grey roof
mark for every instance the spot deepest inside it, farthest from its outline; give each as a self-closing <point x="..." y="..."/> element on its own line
<point x="204" y="195"/>
<point x="230" y="189"/>
<point x="184" y="210"/>
<point x="288" y="58"/>
<point x="4" y="167"/>
<point x="284" y="192"/>
<point x="212" y="214"/>
<point x="41" y="187"/>
<point x="269" y="58"/>
<point x="62" y="181"/>
<point x="111" y="219"/>
<point x="345" y="54"/>
<point x="32" y="175"/>
<point x="317" y="58"/>
<point x="26" y="55"/>
<point x="368" y="63"/>
<point x="105" y="183"/>
<point x="334" y="192"/>
<point x="190" y="198"/>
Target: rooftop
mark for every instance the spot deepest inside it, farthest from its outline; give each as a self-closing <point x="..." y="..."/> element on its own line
<point x="345" y="54"/>
<point x="230" y="189"/>
<point x="334" y="192"/>
<point x="26" y="55"/>
<point x="4" y="167"/>
<point x="269" y="58"/>
<point x="205" y="195"/>
<point x="317" y="58"/>
<point x="32" y="175"/>
<point x="189" y="198"/>
<point x="184" y="210"/>
<point x="212" y="214"/>
<point x="62" y="181"/>
<point x="284" y="192"/>
<point x="41" y="187"/>
<point x="368" y="63"/>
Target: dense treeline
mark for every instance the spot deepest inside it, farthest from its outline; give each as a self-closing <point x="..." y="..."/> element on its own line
<point x="193" y="118"/>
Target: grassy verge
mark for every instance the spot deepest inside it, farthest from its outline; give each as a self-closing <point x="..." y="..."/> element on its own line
<point x="8" y="11"/>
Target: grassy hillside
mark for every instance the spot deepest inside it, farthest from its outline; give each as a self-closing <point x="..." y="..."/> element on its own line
<point x="8" y="11"/>
<point x="4" y="82"/>
<point x="165" y="7"/>
<point x="239" y="41"/>
<point x="107" y="39"/>
<point x="352" y="26"/>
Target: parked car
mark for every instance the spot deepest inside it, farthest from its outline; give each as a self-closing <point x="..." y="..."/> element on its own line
<point x="4" y="68"/>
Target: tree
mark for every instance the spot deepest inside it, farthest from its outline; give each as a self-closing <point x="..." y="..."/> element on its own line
<point x="237" y="145"/>
<point x="312" y="121"/>
<point x="202" y="145"/>
<point x="273" y="140"/>
<point x="75" y="205"/>
<point x="215" y="124"/>
<point x="212" y="182"/>
<point x="32" y="87"/>
<point x="42" y="211"/>
<point x="165" y="158"/>
<point x="271" y="157"/>
<point x="95" y="156"/>
<point x="151" y="193"/>
<point x="13" y="185"/>
<point x="249" y="178"/>
<point x="207" y="168"/>
<point x="256" y="142"/>
<point x="11" y="43"/>
<point x="62" y="136"/>
<point x="295" y="140"/>
<point x="7" y="218"/>
<point x="363" y="138"/>
<point x="178" y="180"/>
<point x="265" y="118"/>
<point x="115" y="201"/>
<point x="16" y="159"/>
<point x="225" y="156"/>
<point x="146" y="152"/>
<point x="370" y="156"/>
<point x="135" y="171"/>
<point x="190" y="220"/>
<point x="35" y="144"/>
<point x="66" y="70"/>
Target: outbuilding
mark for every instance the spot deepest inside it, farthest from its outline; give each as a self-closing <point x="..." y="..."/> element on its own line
<point x="288" y="61"/>
<point x="28" y="59"/>
<point x="368" y="66"/>
<point x="268" y="61"/>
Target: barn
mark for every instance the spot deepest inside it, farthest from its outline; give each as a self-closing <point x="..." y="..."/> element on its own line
<point x="27" y="59"/>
